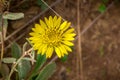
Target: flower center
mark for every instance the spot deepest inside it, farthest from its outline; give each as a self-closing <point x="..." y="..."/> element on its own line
<point x="52" y="37"/>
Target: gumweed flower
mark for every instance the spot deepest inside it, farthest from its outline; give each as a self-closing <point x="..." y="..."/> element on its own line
<point x="52" y="35"/>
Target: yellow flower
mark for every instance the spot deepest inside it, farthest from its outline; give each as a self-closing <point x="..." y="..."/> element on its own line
<point x="52" y="36"/>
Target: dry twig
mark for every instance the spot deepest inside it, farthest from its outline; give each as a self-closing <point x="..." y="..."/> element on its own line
<point x="79" y="63"/>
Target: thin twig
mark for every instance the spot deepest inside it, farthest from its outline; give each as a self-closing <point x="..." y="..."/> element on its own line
<point x="32" y="20"/>
<point x="54" y="59"/>
<point x="51" y="9"/>
<point x="79" y="53"/>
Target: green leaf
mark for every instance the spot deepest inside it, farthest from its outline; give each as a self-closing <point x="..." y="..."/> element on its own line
<point x="13" y="16"/>
<point x="9" y="60"/>
<point x="46" y="72"/>
<point x="23" y="68"/>
<point x="4" y="70"/>
<point x="16" y="50"/>
<point x="40" y="3"/>
<point x="41" y="59"/>
<point x="63" y="59"/>
<point x="102" y="8"/>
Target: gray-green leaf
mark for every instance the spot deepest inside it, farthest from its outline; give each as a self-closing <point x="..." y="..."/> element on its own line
<point x="23" y="69"/>
<point x="16" y="50"/>
<point x="8" y="60"/>
<point x="13" y="16"/>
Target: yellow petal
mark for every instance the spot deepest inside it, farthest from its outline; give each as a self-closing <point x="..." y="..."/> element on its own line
<point x="68" y="38"/>
<point x="67" y="48"/>
<point x="34" y="34"/>
<point x="63" y="48"/>
<point x="57" y="23"/>
<point x="63" y="25"/>
<point x="33" y="38"/>
<point x="36" y="46"/>
<point x="68" y="43"/>
<point x="37" y="25"/>
<point x="69" y="31"/>
<point x="44" y="48"/>
<point x="50" y="21"/>
<point x="49" y="52"/>
<point x="33" y="29"/>
<point x="38" y="29"/>
<point x="47" y="22"/>
<point x="58" y="52"/>
<point x="67" y="26"/>
<point x="69" y="35"/>
<point x="54" y="19"/>
<point x="43" y="25"/>
<point x="40" y="49"/>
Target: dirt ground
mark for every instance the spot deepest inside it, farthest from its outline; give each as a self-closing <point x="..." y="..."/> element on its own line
<point x="100" y="43"/>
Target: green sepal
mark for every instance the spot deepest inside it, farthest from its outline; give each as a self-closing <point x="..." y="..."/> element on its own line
<point x="64" y="58"/>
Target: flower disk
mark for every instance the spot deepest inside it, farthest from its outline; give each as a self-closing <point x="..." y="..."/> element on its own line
<point x="52" y="36"/>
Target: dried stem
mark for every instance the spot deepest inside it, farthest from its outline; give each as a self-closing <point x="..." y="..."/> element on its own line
<point x="2" y="40"/>
<point x="79" y="53"/>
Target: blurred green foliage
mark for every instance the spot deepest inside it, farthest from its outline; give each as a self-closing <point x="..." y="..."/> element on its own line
<point x="41" y="4"/>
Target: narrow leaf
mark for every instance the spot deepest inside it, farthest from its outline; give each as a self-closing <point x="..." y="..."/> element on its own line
<point x="46" y="72"/>
<point x="41" y="59"/>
